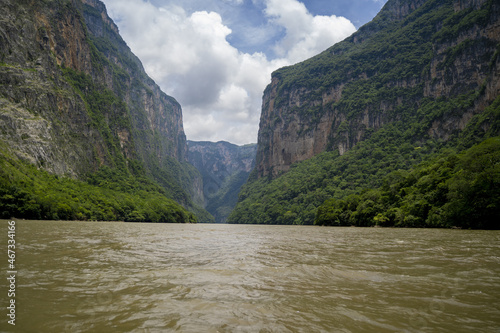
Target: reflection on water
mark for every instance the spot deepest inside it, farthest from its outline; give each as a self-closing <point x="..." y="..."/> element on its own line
<point x="125" y="277"/>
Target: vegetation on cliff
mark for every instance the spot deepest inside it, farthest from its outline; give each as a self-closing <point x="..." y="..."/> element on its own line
<point x="416" y="87"/>
<point x="294" y="197"/>
<point x="108" y="195"/>
<point x="452" y="190"/>
<point x="224" y="168"/>
<point x="78" y="111"/>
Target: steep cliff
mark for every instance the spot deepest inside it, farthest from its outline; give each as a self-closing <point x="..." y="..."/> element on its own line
<point x="411" y="54"/>
<point x="423" y="76"/>
<point x="75" y="100"/>
<point x="224" y="168"/>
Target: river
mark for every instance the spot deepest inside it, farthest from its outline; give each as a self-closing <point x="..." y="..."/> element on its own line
<point x="132" y="277"/>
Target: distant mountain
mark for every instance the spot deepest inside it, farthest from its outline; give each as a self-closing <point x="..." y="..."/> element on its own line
<point x="75" y="102"/>
<point x="224" y="168"/>
<point x="421" y="79"/>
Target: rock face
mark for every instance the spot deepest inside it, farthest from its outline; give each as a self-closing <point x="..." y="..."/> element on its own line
<point x="412" y="52"/>
<point x="224" y="168"/>
<point x="74" y="98"/>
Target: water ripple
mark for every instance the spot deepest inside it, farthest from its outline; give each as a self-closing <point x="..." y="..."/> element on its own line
<point x="124" y="277"/>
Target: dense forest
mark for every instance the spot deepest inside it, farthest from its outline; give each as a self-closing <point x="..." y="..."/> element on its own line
<point x="107" y="195"/>
<point x="460" y="190"/>
<point x="330" y="181"/>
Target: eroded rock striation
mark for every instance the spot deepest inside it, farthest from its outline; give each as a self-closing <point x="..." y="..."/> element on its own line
<point x="412" y="53"/>
<point x="415" y="87"/>
<point x="224" y="168"/>
<point x="74" y="98"/>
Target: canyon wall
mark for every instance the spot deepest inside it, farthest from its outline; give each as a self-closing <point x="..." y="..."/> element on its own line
<point x="411" y="53"/>
<point x="224" y="168"/>
<point x="74" y="98"/>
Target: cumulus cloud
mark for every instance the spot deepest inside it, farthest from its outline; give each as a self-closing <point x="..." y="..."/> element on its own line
<point x="306" y="35"/>
<point x="219" y="87"/>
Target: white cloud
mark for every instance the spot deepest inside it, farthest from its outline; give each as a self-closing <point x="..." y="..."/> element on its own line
<point x="219" y="88"/>
<point x="306" y="35"/>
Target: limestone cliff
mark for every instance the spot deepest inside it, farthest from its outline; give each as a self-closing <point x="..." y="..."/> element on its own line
<point x="413" y="53"/>
<point x="224" y="168"/>
<point x="74" y="98"/>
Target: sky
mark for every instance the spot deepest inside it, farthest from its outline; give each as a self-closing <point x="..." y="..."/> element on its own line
<point x="215" y="57"/>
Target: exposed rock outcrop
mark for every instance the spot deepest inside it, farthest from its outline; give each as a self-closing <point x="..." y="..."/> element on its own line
<point x="342" y="96"/>
<point x="73" y="97"/>
<point x="224" y="168"/>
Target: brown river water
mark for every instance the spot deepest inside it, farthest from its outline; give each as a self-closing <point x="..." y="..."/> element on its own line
<point x="132" y="277"/>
